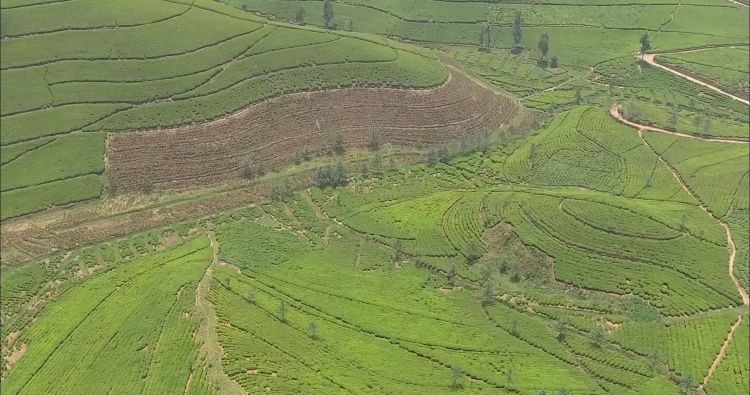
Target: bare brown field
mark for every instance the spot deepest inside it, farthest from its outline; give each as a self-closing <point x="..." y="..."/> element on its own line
<point x="275" y="131"/>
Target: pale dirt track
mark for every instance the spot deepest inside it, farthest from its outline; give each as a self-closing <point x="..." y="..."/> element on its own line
<point x="210" y="347"/>
<point x="649" y="58"/>
<point x="616" y="112"/>
<point x="740" y="4"/>
<point x="722" y="352"/>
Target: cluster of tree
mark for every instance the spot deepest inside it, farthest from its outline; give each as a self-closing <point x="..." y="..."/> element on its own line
<point x="468" y="144"/>
<point x="252" y="169"/>
<point x="332" y="176"/>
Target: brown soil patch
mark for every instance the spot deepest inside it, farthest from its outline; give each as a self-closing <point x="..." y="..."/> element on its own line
<point x="15" y="355"/>
<point x="273" y="132"/>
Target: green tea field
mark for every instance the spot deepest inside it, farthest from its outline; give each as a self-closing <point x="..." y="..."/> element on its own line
<point x="374" y="197"/>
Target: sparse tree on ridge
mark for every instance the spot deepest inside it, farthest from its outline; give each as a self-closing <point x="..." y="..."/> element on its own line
<point x="452" y="274"/>
<point x="299" y="16"/>
<point x="374" y="143"/>
<point x="282" y="311"/>
<point x="645" y="44"/>
<point x="485" y="38"/>
<point x="579" y="99"/>
<point x="562" y="329"/>
<point x="313" y="330"/>
<point x="488" y="293"/>
<point x="543" y="45"/>
<point x="517" y="22"/>
<point x="457" y="377"/>
<point x="553" y="62"/>
<point x="597" y="337"/>
<point x="328" y="13"/>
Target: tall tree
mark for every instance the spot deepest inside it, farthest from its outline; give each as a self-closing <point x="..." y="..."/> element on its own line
<point x="543" y="45"/>
<point x="299" y="16"/>
<point x="645" y="44"/>
<point x="282" y="312"/>
<point x="313" y="330"/>
<point x="485" y="38"/>
<point x="517" y="22"/>
<point x="328" y="12"/>
<point x="457" y="377"/>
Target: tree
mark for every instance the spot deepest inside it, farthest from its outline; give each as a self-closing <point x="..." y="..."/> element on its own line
<point x="485" y="38"/>
<point x="250" y="297"/>
<point x="457" y="377"/>
<point x="452" y="274"/>
<point x="250" y="168"/>
<point x="517" y="22"/>
<point x="332" y="176"/>
<point x="488" y="293"/>
<point x="579" y="99"/>
<point x="562" y="329"/>
<point x="542" y="392"/>
<point x="328" y="13"/>
<point x="337" y="144"/>
<point x="543" y="45"/>
<point x="563" y="392"/>
<point x="687" y="383"/>
<point x="645" y="44"/>
<point x="514" y="328"/>
<point x="147" y="185"/>
<point x="672" y="118"/>
<point x="553" y="62"/>
<point x="655" y="358"/>
<point x="683" y="222"/>
<point x="282" y="190"/>
<point x="597" y="337"/>
<point x="374" y="142"/>
<point x="313" y="330"/>
<point x="504" y="266"/>
<point x="299" y="16"/>
<point x="282" y="312"/>
<point x="473" y="252"/>
<point x="397" y="250"/>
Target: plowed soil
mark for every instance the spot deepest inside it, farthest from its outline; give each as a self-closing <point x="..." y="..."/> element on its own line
<point x="273" y="132"/>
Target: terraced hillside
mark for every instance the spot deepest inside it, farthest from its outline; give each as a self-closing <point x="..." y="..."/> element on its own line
<point x="375" y="197"/>
<point x="64" y="89"/>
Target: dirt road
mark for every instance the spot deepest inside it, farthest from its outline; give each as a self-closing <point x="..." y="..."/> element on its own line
<point x="649" y="58"/>
<point x="616" y="112"/>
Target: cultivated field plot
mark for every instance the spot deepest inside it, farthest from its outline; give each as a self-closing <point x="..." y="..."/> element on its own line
<point x="278" y="131"/>
<point x="133" y="325"/>
<point x="62" y="86"/>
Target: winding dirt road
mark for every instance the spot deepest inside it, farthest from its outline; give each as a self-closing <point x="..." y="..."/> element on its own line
<point x="722" y="353"/>
<point x="616" y="112"/>
<point x="649" y="58"/>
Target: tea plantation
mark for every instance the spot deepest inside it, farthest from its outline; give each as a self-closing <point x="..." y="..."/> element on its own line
<point x="597" y="243"/>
